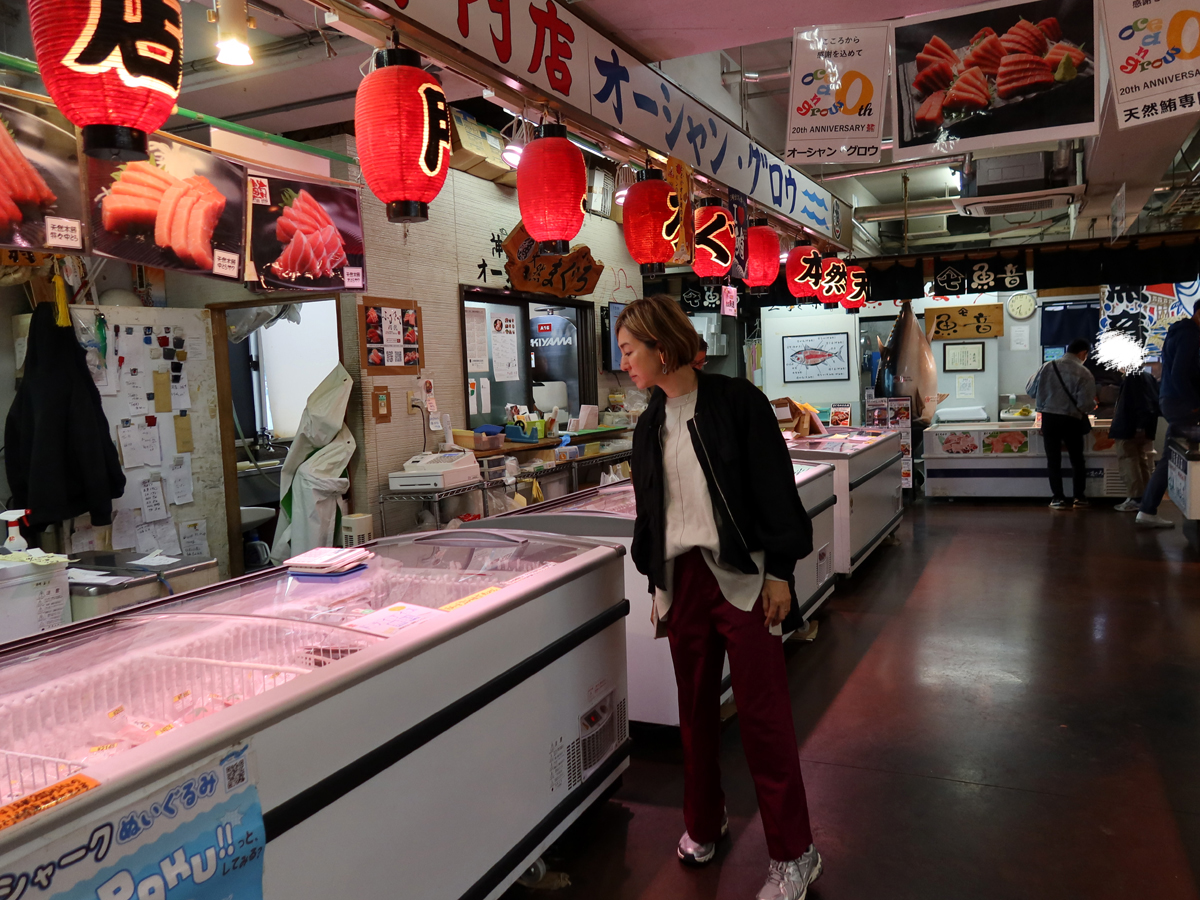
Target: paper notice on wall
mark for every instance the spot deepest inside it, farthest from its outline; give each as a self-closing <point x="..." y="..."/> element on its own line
<point x="194" y="538"/>
<point x="1019" y="337"/>
<point x="162" y="391"/>
<point x="475" y="322"/>
<point x="472" y="396"/>
<point x="180" y="397"/>
<point x="964" y="387"/>
<point x="197" y="348"/>
<point x="131" y="445"/>
<point x="179" y="480"/>
<point x="124" y="528"/>
<point x="135" y="381"/>
<point x="154" y="506"/>
<point x="149" y="441"/>
<point x="183" y="433"/>
<point x="83" y="539"/>
<point x="504" y="348"/>
<point x="144" y="539"/>
<point x="485" y="396"/>
<point x="166" y="538"/>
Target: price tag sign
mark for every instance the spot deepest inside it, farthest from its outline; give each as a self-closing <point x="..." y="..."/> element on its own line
<point x="64" y="233"/>
<point x="225" y="263"/>
<point x="352" y="277"/>
<point x="260" y="194"/>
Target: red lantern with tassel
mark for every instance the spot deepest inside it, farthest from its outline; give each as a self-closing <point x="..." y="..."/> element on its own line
<point x="714" y="241"/>
<point x="762" y="255"/>
<point x="833" y="281"/>
<point x="551" y="189"/>
<point x="803" y="271"/>
<point x="112" y="67"/>
<point x="403" y="130"/>
<point x="652" y="221"/>
<point x="856" y="289"/>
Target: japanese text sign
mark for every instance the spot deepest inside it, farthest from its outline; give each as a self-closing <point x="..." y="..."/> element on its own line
<point x="974" y="276"/>
<point x="985" y="320"/>
<point x="203" y="833"/>
<point x="838" y="79"/>
<point x="1153" y="58"/>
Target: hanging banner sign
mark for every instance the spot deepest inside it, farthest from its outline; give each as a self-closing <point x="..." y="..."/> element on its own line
<point x="306" y="236"/>
<point x="1153" y="58"/>
<point x="202" y="834"/>
<point x="838" y="79"/>
<point x="544" y="44"/>
<point x="983" y="320"/>
<point x="974" y="276"/>
<point x="739" y="208"/>
<point x="678" y="175"/>
<point x="184" y="209"/>
<point x="997" y="74"/>
<point x="40" y="205"/>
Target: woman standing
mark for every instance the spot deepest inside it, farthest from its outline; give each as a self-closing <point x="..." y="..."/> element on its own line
<point x="719" y="529"/>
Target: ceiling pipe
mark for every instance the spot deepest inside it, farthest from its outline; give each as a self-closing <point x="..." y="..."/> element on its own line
<point x="916" y="209"/>
<point x="753" y="77"/>
<point x="899" y="167"/>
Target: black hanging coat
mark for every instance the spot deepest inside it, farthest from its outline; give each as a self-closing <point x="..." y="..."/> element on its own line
<point x="59" y="453"/>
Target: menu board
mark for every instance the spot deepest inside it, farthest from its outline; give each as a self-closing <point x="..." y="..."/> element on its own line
<point x="390" y="332"/>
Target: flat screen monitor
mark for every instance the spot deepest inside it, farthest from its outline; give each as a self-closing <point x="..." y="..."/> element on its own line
<point x="608" y="336"/>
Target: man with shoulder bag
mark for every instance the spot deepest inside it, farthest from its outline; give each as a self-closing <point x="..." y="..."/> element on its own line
<point x="1065" y="394"/>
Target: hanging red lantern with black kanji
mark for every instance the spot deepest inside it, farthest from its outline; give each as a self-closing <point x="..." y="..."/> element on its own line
<point x="715" y="241"/>
<point x="112" y="67"/>
<point x="856" y="289"/>
<point x="402" y="124"/>
<point x="833" y="281"/>
<point x="552" y="189"/>
<point x="762" y="255"/>
<point x="803" y="271"/>
<point x="652" y="221"/>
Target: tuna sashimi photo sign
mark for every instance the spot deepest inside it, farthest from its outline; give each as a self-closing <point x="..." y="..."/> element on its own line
<point x="994" y="75"/>
<point x="306" y="235"/>
<point x="40" y="204"/>
<point x="1152" y="53"/>
<point x="184" y="209"/>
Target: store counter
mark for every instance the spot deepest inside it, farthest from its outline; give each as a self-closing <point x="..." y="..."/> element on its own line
<point x="1008" y="459"/>
<point x="422" y="726"/>
<point x="870" y="500"/>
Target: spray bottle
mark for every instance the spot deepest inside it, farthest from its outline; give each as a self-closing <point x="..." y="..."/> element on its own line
<point x="14" y="542"/>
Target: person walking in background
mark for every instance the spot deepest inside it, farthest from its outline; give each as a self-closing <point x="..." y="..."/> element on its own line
<point x="1134" y="424"/>
<point x="718" y="531"/>
<point x="1065" y="393"/>
<point x="1179" y="400"/>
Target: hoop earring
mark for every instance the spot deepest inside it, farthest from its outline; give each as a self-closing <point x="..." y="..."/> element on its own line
<point x="662" y="359"/>
<point x="664" y="370"/>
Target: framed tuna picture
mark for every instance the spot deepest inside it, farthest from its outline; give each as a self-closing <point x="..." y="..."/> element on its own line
<point x="306" y="235"/>
<point x="184" y="209"/>
<point x="816" y="357"/>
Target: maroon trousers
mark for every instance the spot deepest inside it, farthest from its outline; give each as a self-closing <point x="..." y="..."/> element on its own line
<point x="701" y="627"/>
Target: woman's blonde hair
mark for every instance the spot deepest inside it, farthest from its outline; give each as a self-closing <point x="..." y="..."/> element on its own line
<point x="658" y="322"/>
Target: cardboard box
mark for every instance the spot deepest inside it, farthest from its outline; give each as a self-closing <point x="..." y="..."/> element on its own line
<point x="492" y="167"/>
<point x="475" y="148"/>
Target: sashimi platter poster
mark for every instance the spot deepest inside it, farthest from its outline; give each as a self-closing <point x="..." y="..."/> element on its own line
<point x="40" y="205"/>
<point x="306" y="235"/>
<point x="184" y="209"/>
<point x="994" y="75"/>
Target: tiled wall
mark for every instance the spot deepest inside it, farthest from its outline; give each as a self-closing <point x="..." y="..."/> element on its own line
<point x="426" y="263"/>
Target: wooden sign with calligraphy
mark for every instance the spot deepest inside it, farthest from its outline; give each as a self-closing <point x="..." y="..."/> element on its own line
<point x="573" y="275"/>
<point x="986" y="320"/>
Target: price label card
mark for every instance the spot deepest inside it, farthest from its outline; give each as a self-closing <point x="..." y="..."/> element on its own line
<point x="260" y="194"/>
<point x="225" y="263"/>
<point x="64" y="233"/>
<point x="352" y="276"/>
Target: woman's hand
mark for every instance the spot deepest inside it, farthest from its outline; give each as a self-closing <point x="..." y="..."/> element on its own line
<point x="776" y="601"/>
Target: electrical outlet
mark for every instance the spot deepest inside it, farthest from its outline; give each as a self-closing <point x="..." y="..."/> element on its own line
<point x="414" y="407"/>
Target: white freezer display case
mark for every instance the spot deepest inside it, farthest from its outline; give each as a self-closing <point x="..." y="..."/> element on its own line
<point x="870" y="501"/>
<point x="1008" y="459"/>
<point x="450" y="708"/>
<point x="1183" y="476"/>
<point x="608" y="512"/>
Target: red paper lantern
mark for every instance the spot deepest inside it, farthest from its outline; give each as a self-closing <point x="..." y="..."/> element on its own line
<point x="113" y="67"/>
<point x="714" y="239"/>
<point x="833" y="281"/>
<point x="762" y="255"/>
<point x="653" y="222"/>
<point x="856" y="289"/>
<point x="551" y="189"/>
<point x="403" y="130"/>
<point x="803" y="271"/>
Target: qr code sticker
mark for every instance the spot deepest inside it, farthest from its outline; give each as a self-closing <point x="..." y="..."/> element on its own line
<point x="235" y="774"/>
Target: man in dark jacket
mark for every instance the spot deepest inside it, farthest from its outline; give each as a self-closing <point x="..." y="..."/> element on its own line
<point x="1179" y="398"/>
<point x="1134" y="424"/>
<point x="59" y="455"/>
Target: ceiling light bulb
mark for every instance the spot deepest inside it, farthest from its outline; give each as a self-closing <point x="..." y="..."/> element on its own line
<point x="234" y="53"/>
<point x="512" y="154"/>
<point x="233" y="44"/>
<point x="619" y="197"/>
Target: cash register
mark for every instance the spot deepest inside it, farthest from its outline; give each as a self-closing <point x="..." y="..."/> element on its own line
<point x="436" y="471"/>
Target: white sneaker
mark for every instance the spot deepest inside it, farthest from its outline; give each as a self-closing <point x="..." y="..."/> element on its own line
<point x="1129" y="505"/>
<point x="790" y="880"/>
<point x="693" y="854"/>
<point x="1146" y="520"/>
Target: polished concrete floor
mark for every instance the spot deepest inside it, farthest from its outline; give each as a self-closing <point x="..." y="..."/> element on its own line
<point x="1004" y="705"/>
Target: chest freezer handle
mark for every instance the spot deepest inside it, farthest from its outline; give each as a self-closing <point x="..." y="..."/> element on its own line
<point x="470" y="538"/>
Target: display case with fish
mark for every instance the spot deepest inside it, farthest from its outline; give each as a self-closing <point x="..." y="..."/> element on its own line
<point x="306" y="236"/>
<point x="183" y="208"/>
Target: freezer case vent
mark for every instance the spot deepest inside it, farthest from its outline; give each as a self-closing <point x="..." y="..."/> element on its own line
<point x="1114" y="484"/>
<point x="622" y="721"/>
<point x="574" y="769"/>
<point x="597" y="733"/>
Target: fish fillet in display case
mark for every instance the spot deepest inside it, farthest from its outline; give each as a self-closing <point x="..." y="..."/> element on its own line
<point x="870" y="501"/>
<point x="450" y="707"/>
<point x="608" y="512"/>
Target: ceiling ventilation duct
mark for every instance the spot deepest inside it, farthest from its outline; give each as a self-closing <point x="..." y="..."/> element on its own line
<point x="1029" y="201"/>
